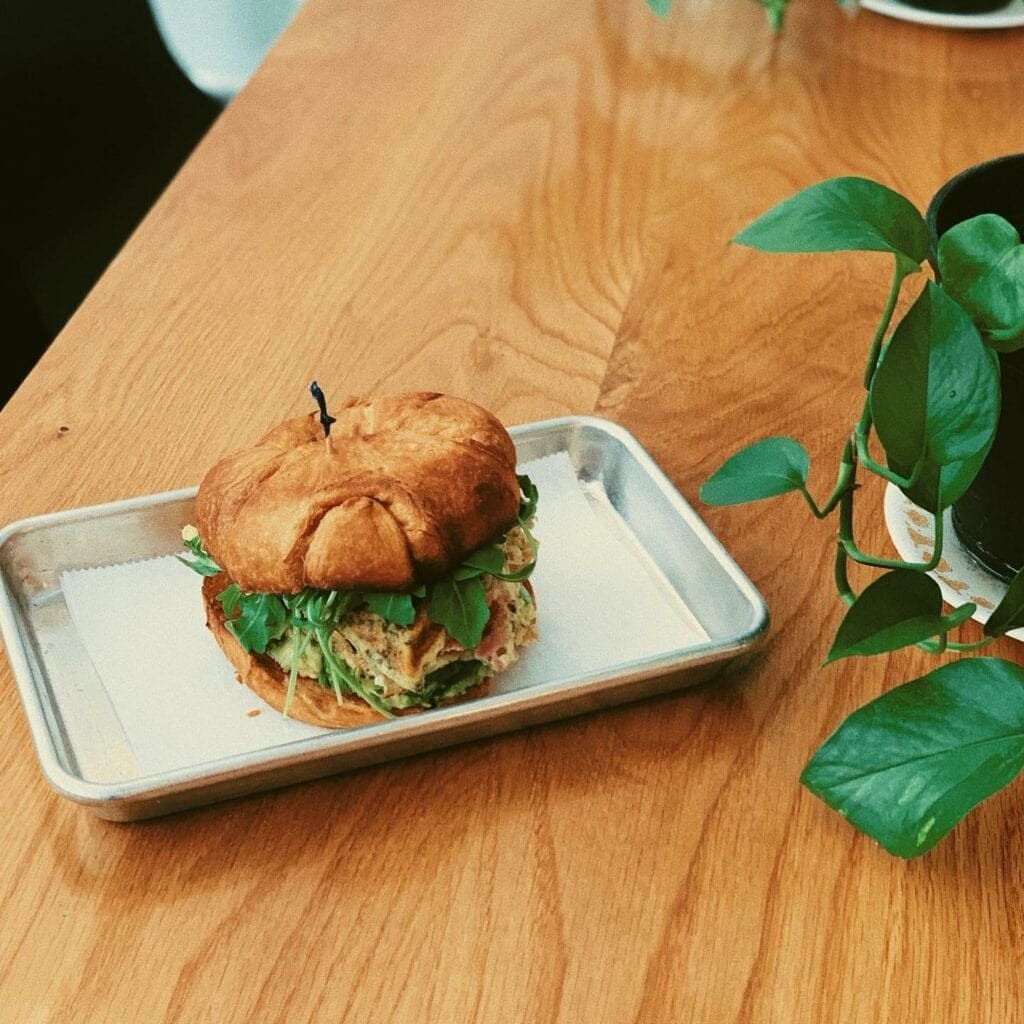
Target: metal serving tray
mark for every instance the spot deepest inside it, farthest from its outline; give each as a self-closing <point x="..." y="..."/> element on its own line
<point x="86" y="756"/>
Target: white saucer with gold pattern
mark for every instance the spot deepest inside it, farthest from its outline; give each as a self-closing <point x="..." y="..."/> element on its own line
<point x="1010" y="16"/>
<point x="959" y="576"/>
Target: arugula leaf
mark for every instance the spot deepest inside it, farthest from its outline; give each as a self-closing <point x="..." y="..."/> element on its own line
<point x="395" y="608"/>
<point x="525" y="571"/>
<point x="528" y="503"/>
<point x="229" y="598"/>
<point x="200" y="561"/>
<point x="519" y="575"/>
<point x="312" y="608"/>
<point x="489" y="559"/>
<point x="764" y="469"/>
<point x="343" y="677"/>
<point x="260" y="617"/>
<point x="293" y="675"/>
<point x="454" y="678"/>
<point x="908" y="766"/>
<point x="461" y="608"/>
<point x="900" y="608"/>
<point x="448" y="681"/>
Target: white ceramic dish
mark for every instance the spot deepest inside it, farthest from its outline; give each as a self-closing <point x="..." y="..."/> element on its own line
<point x="1010" y="16"/>
<point x="959" y="576"/>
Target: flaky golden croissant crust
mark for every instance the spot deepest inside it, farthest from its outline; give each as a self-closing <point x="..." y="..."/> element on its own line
<point x="414" y="484"/>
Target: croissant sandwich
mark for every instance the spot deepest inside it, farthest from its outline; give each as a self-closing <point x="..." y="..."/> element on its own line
<point x="371" y="563"/>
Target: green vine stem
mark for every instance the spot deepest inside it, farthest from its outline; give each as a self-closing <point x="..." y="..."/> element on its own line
<point x="883" y="471"/>
<point x="850" y="546"/>
<point x="900" y="272"/>
<point x="976" y="645"/>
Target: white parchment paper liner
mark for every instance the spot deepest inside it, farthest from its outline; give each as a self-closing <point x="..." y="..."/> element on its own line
<point x="600" y="603"/>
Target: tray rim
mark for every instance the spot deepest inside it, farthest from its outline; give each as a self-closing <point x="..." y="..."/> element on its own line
<point x="156" y="786"/>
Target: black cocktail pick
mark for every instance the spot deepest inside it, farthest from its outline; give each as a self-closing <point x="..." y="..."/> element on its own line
<point x="325" y="420"/>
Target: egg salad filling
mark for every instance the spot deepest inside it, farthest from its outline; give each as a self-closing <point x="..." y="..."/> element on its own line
<point x="422" y="664"/>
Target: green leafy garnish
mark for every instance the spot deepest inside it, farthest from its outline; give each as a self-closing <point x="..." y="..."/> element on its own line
<point x="345" y="678"/>
<point x="395" y="608"/>
<point x="253" y="619"/>
<point x="458" y="602"/>
<point x="293" y="675"/>
<point x="461" y="607"/>
<point x="489" y="559"/>
<point x="444" y="683"/>
<point x="200" y="561"/>
<point x="528" y="502"/>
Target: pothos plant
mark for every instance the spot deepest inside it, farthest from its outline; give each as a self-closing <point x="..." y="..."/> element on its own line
<point x="908" y="766"/>
<point x="775" y="10"/>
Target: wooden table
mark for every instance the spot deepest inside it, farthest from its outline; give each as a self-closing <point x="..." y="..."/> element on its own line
<point x="527" y="204"/>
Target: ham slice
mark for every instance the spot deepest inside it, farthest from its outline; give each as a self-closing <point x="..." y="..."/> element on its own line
<point x="496" y="643"/>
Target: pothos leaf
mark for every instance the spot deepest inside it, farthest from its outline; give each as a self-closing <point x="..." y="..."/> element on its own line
<point x="981" y="261"/>
<point x="838" y="215"/>
<point x="660" y="7"/>
<point x="776" y="12"/>
<point x="900" y="608"/>
<point x="908" y="766"/>
<point x="1009" y="613"/>
<point x="395" y="608"/>
<point x="935" y="398"/>
<point x="461" y="608"/>
<point x="771" y="466"/>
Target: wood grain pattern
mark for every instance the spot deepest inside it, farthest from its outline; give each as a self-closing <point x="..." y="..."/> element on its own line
<point x="527" y="204"/>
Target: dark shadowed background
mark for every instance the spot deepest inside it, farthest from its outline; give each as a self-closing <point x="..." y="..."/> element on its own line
<point x="98" y="119"/>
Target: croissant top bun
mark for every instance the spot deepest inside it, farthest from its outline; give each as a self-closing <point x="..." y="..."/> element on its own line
<point x="414" y="483"/>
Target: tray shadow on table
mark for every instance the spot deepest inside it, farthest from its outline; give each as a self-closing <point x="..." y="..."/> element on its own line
<point x="454" y="788"/>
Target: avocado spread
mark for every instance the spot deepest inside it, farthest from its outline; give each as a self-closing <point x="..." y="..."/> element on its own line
<point x="283" y="651"/>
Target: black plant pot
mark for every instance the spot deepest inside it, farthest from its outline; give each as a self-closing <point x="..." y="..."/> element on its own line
<point x="989" y="518"/>
<point x="958" y="6"/>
